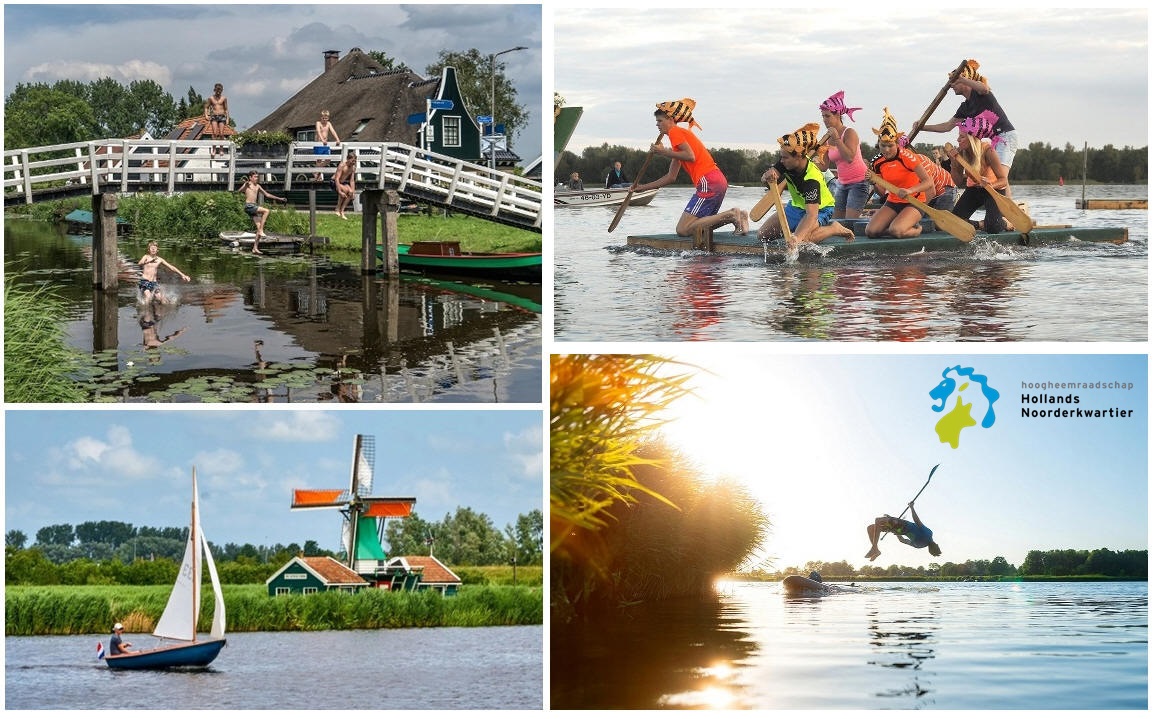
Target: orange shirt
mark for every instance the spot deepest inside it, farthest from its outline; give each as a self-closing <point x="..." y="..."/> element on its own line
<point x="900" y="171"/>
<point x="942" y="180"/>
<point x="703" y="164"/>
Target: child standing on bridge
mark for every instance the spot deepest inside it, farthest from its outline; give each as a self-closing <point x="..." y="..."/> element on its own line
<point x="216" y="113"/>
<point x="252" y="190"/>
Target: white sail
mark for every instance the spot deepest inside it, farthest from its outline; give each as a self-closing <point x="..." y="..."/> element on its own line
<point x="218" y="607"/>
<point x="177" y="620"/>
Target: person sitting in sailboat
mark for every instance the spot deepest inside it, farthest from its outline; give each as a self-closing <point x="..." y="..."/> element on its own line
<point x="117" y="645"/>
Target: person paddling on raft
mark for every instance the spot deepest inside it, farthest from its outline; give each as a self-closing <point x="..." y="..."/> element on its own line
<point x="915" y="533"/>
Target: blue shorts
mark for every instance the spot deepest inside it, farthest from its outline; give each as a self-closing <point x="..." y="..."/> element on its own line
<point x="148" y="285"/>
<point x="852" y="196"/>
<point x="322" y="150"/>
<point x="709" y="195"/>
<point x="945" y="200"/>
<point x="794" y="215"/>
<point x="250" y="208"/>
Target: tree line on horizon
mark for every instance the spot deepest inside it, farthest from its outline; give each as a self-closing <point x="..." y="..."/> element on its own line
<point x="112" y="552"/>
<point x="41" y="114"/>
<point x="1037" y="163"/>
<point x="1122" y="564"/>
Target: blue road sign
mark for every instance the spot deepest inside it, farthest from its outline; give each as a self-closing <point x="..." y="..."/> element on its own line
<point x="416" y="118"/>
<point x="484" y="119"/>
<point x="441" y="104"/>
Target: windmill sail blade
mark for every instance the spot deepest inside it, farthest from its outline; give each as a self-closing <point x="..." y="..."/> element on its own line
<point x="387" y="506"/>
<point x="363" y="465"/>
<point x="319" y="498"/>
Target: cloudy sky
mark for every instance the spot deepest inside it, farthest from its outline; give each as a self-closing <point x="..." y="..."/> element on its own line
<point x="1063" y="75"/>
<point x="828" y="443"/>
<point x="74" y="466"/>
<point x="262" y="54"/>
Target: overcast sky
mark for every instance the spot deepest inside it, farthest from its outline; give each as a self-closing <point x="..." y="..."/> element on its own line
<point x="263" y="54"/>
<point x="828" y="443"/>
<point x="74" y="466"/>
<point x="1062" y="74"/>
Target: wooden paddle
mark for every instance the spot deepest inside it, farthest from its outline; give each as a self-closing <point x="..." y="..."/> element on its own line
<point x="936" y="101"/>
<point x="781" y="219"/>
<point x="963" y="230"/>
<point x="1011" y="210"/>
<point x="766" y="202"/>
<point x="621" y="210"/>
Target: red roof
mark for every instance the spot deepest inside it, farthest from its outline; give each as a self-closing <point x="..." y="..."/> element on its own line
<point x="332" y="571"/>
<point x="434" y="571"/>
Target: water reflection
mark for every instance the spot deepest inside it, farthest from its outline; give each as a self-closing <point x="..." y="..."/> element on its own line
<point x="905" y="643"/>
<point x="673" y="654"/>
<point x="361" y="337"/>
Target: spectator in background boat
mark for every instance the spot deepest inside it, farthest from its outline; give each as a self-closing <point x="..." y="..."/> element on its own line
<point x="344" y="182"/>
<point x="216" y="115"/>
<point x="915" y="533"/>
<point x="616" y="177"/>
<point x="324" y="128"/>
<point x="575" y="182"/>
<point x="116" y="644"/>
<point x="688" y="152"/>
<point x="974" y="87"/>
<point x="976" y="142"/>
<point x="810" y="210"/>
<point x="150" y="264"/>
<point x="944" y="193"/>
<point x="853" y="188"/>
<point x="252" y="191"/>
<point x="900" y="166"/>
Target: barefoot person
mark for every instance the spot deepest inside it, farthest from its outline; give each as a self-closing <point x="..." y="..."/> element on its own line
<point x="809" y="212"/>
<point x="324" y="130"/>
<point x="150" y="263"/>
<point x="252" y="191"/>
<point x="216" y="115"/>
<point x="901" y="167"/>
<point x="688" y="152"/>
<point x="915" y="533"/>
<point x="344" y="182"/>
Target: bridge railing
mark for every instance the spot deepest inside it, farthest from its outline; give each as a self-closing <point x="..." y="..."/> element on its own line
<point x="125" y="166"/>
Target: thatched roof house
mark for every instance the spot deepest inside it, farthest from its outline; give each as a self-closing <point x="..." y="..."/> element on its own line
<point x="368" y="103"/>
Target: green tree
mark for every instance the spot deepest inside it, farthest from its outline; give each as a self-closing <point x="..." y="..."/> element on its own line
<point x="15" y="538"/>
<point x="37" y="116"/>
<point x="469" y="538"/>
<point x="408" y="536"/>
<point x="388" y="62"/>
<point x="527" y="537"/>
<point x="62" y="534"/>
<point x="480" y="81"/>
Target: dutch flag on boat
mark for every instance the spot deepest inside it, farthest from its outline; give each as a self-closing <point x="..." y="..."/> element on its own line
<point x="99" y="650"/>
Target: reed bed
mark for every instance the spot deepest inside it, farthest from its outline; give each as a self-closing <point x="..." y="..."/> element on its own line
<point x="93" y="610"/>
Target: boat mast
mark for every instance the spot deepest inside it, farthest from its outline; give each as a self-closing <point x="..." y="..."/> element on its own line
<point x="195" y="550"/>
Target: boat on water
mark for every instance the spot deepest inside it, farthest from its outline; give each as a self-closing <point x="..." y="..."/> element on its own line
<point x="245" y="240"/>
<point x="182" y="613"/>
<point x="930" y="240"/>
<point x="795" y="585"/>
<point x="448" y="258"/>
<point x="611" y="197"/>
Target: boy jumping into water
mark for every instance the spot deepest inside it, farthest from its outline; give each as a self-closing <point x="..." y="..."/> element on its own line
<point x="914" y="534"/>
<point x="150" y="263"/>
<point x="252" y="189"/>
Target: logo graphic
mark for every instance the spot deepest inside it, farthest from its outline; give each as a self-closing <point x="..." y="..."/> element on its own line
<point x="964" y="383"/>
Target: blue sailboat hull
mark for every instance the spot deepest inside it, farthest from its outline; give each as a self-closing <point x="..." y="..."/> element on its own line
<point x="196" y="654"/>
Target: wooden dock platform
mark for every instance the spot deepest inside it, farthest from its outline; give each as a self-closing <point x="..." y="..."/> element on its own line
<point x="1113" y="204"/>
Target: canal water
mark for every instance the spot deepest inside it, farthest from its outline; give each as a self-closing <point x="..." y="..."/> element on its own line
<point x="949" y="645"/>
<point x="1087" y="292"/>
<point x="284" y="327"/>
<point x="445" y="668"/>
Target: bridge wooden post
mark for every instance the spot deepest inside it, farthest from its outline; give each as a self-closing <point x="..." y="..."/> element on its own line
<point x="386" y="205"/>
<point x="105" y="257"/>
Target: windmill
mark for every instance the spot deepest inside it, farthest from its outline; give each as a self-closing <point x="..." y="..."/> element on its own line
<point x="364" y="513"/>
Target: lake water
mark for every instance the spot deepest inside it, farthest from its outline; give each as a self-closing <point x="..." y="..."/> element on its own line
<point x="1090" y="292"/>
<point x="286" y="328"/>
<point x="948" y="645"/>
<point x="443" y="668"/>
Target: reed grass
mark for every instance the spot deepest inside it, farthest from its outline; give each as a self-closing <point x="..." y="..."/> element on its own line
<point x="93" y="610"/>
<point x="37" y="359"/>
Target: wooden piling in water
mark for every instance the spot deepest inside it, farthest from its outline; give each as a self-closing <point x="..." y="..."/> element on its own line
<point x="105" y="256"/>
<point x="384" y="204"/>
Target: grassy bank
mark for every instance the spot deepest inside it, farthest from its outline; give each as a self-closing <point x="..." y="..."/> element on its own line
<point x="93" y="610"/>
<point x="203" y="215"/>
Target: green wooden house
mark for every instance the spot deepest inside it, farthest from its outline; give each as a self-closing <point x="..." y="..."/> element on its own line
<point x="309" y="575"/>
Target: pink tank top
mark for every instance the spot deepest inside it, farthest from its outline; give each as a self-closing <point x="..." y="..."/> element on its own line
<point x="848" y="172"/>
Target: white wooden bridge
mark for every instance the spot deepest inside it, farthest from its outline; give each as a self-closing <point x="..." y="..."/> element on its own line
<point x="129" y="166"/>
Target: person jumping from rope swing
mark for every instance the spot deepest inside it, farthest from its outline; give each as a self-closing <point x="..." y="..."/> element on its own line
<point x="915" y="533"/>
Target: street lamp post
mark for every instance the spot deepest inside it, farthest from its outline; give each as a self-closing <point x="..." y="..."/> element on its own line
<point x="492" y="102"/>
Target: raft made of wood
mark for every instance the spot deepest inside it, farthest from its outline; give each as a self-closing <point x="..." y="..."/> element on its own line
<point x="246" y="239"/>
<point x="726" y="242"/>
<point x="1113" y="204"/>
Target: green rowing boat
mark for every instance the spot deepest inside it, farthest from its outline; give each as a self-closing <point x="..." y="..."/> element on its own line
<point x="927" y="241"/>
<point x="447" y="258"/>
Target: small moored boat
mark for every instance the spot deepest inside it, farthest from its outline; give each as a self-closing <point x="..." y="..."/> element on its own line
<point x="611" y="197"/>
<point x="245" y="240"/>
<point x="448" y="258"/>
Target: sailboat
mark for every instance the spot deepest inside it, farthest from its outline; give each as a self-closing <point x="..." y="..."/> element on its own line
<point x="178" y="622"/>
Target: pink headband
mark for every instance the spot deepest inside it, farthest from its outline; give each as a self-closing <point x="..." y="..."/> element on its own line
<point x="836" y="104"/>
<point x="981" y="127"/>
